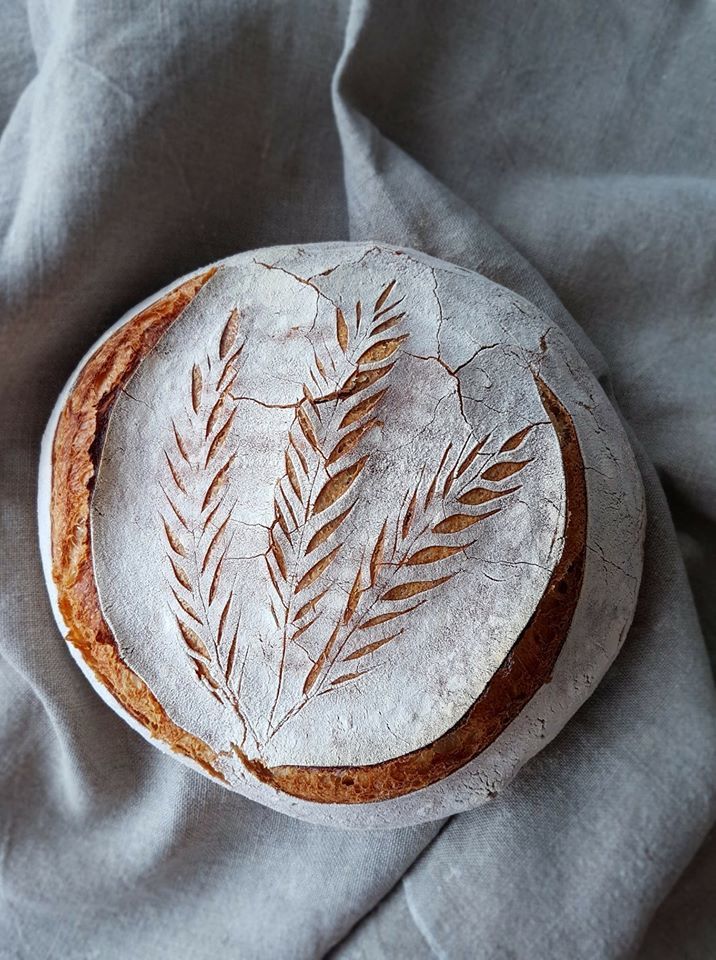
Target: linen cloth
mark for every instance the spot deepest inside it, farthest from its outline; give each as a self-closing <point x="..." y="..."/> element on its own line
<point x="564" y="149"/>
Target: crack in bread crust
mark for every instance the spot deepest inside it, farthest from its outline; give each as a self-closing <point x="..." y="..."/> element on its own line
<point x="76" y="452"/>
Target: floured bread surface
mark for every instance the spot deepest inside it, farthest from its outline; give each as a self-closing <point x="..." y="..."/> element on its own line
<point x="357" y="529"/>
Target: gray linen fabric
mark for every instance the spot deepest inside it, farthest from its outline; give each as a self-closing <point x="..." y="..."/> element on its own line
<point x="565" y="149"/>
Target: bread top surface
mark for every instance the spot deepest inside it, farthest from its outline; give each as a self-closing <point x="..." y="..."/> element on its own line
<point x="337" y="518"/>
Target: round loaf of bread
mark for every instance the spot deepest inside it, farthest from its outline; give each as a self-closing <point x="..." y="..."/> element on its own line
<point x="352" y="530"/>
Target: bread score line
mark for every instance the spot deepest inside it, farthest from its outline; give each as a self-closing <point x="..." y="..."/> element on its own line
<point x="76" y="440"/>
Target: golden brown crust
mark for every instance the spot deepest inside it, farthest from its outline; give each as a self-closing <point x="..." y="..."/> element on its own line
<point x="76" y="450"/>
<point x="75" y="455"/>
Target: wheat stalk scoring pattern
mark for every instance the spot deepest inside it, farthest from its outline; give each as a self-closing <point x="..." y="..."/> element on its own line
<point x="196" y="524"/>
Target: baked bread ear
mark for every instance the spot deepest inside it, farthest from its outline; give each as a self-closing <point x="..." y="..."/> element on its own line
<point x="353" y="530"/>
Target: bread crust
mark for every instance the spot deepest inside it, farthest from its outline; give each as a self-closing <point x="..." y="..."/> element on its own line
<point x="76" y="452"/>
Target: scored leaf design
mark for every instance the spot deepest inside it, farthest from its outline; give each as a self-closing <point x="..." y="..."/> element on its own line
<point x="323" y="460"/>
<point x="428" y="533"/>
<point x="196" y="523"/>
